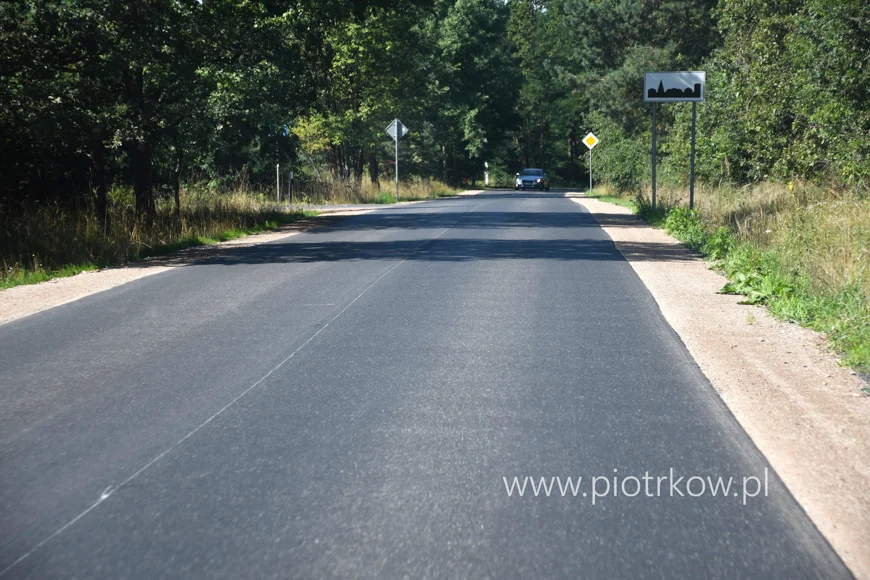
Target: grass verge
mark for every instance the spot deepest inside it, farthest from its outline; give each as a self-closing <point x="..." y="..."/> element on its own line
<point x="365" y="192"/>
<point x="802" y="251"/>
<point x="50" y="241"/>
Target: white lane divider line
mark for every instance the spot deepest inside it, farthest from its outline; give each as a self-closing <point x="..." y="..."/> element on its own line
<point x="107" y="493"/>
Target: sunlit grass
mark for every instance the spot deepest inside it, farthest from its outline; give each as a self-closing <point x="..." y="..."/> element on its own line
<point x="802" y="249"/>
<point x="363" y="192"/>
<point x="39" y="243"/>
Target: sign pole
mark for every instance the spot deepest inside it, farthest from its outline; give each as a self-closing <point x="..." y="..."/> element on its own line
<point x="692" y="162"/>
<point x="654" y="155"/>
<point x="278" y="182"/>
<point x="396" y="130"/>
<point x="590" y="141"/>
<point x="397" y="167"/>
<point x="590" y="172"/>
<point x="675" y="87"/>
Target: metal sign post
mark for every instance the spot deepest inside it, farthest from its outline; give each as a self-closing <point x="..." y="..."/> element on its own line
<point x="590" y="141"/>
<point x="675" y="87"/>
<point x="692" y="163"/>
<point x="654" y="155"/>
<point x="397" y="130"/>
<point x="278" y="182"/>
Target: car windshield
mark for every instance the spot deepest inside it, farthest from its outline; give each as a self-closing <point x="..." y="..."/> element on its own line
<point x="533" y="172"/>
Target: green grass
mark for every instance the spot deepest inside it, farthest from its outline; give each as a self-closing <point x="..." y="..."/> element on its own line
<point x="624" y="202"/>
<point x="385" y="198"/>
<point x="768" y="275"/>
<point x="365" y="192"/>
<point x="638" y="205"/>
<point x="140" y="249"/>
<point x="23" y="277"/>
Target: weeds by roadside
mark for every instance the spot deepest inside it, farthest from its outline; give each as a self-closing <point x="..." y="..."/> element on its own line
<point x="41" y="242"/>
<point x="340" y="192"/>
<point x="38" y="243"/>
<point x="804" y="252"/>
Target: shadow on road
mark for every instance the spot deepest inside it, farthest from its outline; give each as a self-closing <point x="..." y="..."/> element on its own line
<point x="443" y="250"/>
<point x="478" y="220"/>
<point x="328" y="240"/>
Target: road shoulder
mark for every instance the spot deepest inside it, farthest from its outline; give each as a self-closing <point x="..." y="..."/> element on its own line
<point x="802" y="409"/>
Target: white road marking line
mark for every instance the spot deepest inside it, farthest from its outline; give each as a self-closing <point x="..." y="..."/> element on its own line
<point x="107" y="493"/>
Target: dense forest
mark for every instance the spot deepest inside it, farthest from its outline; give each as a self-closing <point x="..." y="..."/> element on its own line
<point x="153" y="93"/>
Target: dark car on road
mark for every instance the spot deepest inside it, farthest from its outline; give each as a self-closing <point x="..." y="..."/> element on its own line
<point x="532" y="179"/>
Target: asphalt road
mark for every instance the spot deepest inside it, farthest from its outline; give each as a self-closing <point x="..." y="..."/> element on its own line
<point x="348" y="401"/>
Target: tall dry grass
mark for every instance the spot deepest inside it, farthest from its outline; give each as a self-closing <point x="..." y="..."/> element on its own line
<point x="328" y="191"/>
<point x="40" y="241"/>
<point x="819" y="234"/>
<point x="802" y="249"/>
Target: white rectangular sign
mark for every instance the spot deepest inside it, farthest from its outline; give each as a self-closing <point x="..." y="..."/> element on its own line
<point x="671" y="87"/>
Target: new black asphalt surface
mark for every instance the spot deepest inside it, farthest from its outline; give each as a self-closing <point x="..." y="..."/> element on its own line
<point x="347" y="402"/>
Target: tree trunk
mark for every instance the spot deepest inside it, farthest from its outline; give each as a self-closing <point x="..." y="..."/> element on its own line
<point x="572" y="153"/>
<point x="373" y="169"/>
<point x="140" y="150"/>
<point x="444" y="165"/>
<point x="140" y="157"/>
<point x="179" y="167"/>
<point x="455" y="168"/>
<point x="359" y="165"/>
<point x="100" y="187"/>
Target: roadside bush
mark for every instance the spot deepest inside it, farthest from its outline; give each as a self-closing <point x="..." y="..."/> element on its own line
<point x="686" y="225"/>
<point x="720" y="244"/>
<point x="653" y="216"/>
<point x="623" y="163"/>
<point x="799" y="249"/>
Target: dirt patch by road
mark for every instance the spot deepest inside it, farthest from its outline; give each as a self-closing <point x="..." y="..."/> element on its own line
<point x="804" y="411"/>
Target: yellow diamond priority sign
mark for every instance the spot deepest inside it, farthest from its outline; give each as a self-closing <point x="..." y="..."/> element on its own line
<point x="590" y="140"/>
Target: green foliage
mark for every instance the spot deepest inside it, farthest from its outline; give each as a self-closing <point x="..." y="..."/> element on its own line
<point x="764" y="278"/>
<point x="386" y="197"/>
<point x="17" y="277"/>
<point x="653" y="216"/>
<point x="720" y="244"/>
<point x="754" y="277"/>
<point x="686" y="225"/>
<point x="769" y="276"/>
<point x="787" y="95"/>
<point x="623" y="162"/>
<point x="146" y="95"/>
<point x="46" y="240"/>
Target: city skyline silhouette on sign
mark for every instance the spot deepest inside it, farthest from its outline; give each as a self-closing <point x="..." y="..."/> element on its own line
<point x="675" y="92"/>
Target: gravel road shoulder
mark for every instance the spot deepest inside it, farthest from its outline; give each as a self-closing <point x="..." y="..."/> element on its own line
<point x="804" y="411"/>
